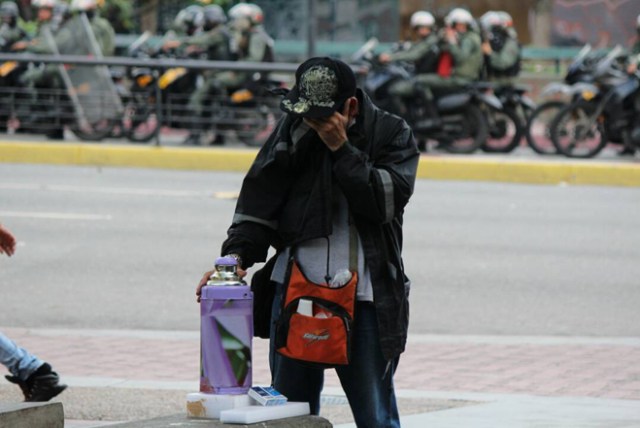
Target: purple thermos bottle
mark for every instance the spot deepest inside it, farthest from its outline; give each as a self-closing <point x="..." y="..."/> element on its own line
<point x="226" y="331"/>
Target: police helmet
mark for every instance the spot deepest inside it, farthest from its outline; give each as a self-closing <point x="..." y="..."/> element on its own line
<point x="490" y="19"/>
<point x="422" y="18"/>
<point x="41" y="4"/>
<point x="83" y="5"/>
<point x="190" y="18"/>
<point x="9" y="9"/>
<point x="213" y="15"/>
<point x="249" y="11"/>
<point x="507" y="20"/>
<point x="459" y="16"/>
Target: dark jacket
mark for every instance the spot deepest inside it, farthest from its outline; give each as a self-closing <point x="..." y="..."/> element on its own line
<point x="286" y="199"/>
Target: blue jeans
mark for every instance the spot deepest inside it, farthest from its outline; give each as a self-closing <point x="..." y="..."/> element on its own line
<point x="17" y="360"/>
<point x="367" y="381"/>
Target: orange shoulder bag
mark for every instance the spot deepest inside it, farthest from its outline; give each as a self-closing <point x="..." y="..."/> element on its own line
<point x="322" y="336"/>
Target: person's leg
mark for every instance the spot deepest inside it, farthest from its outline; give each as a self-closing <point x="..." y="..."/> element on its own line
<point x="368" y="379"/>
<point x="398" y="92"/>
<point x="17" y="360"/>
<point x="422" y="89"/>
<point x="35" y="377"/>
<point x="295" y="381"/>
<point x="194" y="108"/>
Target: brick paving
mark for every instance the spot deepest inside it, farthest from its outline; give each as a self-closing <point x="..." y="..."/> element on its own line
<point x="569" y="368"/>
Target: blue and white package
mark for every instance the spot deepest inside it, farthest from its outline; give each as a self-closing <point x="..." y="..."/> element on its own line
<point x="267" y="396"/>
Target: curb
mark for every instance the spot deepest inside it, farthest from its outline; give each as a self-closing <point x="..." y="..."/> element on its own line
<point x="236" y="160"/>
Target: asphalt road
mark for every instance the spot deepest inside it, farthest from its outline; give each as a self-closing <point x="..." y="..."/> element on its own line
<point x="117" y="248"/>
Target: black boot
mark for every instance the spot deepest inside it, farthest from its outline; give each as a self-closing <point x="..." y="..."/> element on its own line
<point x="431" y="118"/>
<point x="42" y="385"/>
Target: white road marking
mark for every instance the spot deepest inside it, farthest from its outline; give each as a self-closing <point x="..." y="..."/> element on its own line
<point x="55" y="216"/>
<point x="120" y="190"/>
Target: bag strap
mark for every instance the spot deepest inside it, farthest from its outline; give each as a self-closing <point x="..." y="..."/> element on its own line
<point x="353" y="246"/>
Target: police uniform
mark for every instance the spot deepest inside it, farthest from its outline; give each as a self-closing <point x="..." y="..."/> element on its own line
<point x="420" y="54"/>
<point x="215" y="43"/>
<point x="254" y="45"/>
<point x="501" y="61"/>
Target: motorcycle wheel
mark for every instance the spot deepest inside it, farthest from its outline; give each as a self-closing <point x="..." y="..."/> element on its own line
<point x="505" y="131"/>
<point x="575" y="135"/>
<point x="99" y="130"/>
<point x="255" y="130"/>
<point x="140" y="122"/>
<point x="472" y="132"/>
<point x="537" y="131"/>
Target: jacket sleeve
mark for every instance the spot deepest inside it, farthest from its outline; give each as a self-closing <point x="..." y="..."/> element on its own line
<point x="255" y="221"/>
<point x="379" y="188"/>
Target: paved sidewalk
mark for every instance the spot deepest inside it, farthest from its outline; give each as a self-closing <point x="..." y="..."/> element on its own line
<point x="494" y="381"/>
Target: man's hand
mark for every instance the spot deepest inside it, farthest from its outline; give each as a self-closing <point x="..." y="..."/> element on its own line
<point x="451" y="35"/>
<point x="170" y="44"/>
<point x="7" y="242"/>
<point x="241" y="273"/>
<point x="486" y="48"/>
<point x="332" y="130"/>
<point x="19" y="46"/>
<point x="384" y="58"/>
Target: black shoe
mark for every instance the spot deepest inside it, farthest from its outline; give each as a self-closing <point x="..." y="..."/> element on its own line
<point x="43" y="385"/>
<point x="192" y="140"/>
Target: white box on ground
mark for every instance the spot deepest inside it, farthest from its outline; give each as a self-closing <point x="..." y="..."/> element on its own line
<point x="209" y="406"/>
<point x="254" y="414"/>
<point x="267" y="396"/>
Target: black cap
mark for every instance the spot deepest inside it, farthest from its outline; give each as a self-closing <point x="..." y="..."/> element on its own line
<point x="322" y="86"/>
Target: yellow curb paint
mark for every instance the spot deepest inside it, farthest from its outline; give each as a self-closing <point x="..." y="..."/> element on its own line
<point x="535" y="172"/>
<point x="223" y="159"/>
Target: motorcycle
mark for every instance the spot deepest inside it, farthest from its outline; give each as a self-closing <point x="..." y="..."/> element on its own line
<point x="600" y="112"/>
<point x="250" y="111"/>
<point x="157" y="98"/>
<point x="11" y="92"/>
<point x="507" y="126"/>
<point x="464" y="125"/>
<point x="558" y="95"/>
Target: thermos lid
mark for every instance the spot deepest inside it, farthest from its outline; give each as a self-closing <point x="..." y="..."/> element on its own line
<point x="226" y="261"/>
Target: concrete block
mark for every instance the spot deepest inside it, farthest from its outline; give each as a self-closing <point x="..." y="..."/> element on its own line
<point x="31" y="415"/>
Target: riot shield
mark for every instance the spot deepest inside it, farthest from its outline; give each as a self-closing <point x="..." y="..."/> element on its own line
<point x="90" y="88"/>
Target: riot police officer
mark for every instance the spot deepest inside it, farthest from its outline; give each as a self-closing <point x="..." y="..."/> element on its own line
<point x="10" y="33"/>
<point x="214" y="44"/>
<point x="422" y="53"/>
<point x="500" y="47"/>
<point x="250" y="41"/>
<point x="44" y="15"/>
<point x="464" y="46"/>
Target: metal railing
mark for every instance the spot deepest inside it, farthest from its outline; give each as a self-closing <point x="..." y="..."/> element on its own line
<point x="144" y="87"/>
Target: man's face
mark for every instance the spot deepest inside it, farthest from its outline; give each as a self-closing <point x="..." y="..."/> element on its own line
<point x="460" y="27"/>
<point x="44" y="14"/>
<point x="423" y="31"/>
